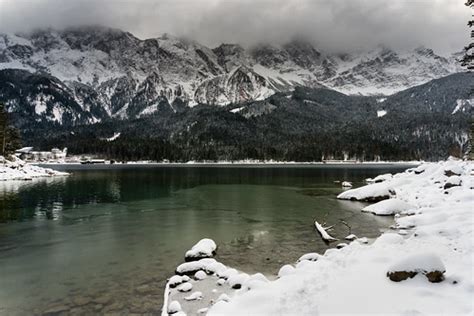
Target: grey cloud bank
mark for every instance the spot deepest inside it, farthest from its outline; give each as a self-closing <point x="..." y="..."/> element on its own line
<point x="331" y="24"/>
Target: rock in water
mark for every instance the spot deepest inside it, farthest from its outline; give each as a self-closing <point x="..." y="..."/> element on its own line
<point x="205" y="248"/>
<point x="346" y="184"/>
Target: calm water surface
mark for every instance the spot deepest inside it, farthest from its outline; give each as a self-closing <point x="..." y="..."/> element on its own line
<point x="106" y="238"/>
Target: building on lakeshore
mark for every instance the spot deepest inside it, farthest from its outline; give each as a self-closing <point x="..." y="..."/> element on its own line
<point x="28" y="154"/>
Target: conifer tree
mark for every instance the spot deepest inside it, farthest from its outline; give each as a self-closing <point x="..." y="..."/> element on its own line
<point x="9" y="135"/>
<point x="468" y="59"/>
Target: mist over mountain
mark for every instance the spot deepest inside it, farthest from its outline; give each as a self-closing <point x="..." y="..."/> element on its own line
<point x="109" y="73"/>
<point x="230" y="102"/>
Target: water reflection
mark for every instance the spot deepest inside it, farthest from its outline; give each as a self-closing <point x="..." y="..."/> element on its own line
<point x="89" y="243"/>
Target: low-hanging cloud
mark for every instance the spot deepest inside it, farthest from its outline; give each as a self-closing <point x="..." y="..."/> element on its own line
<point x="331" y="24"/>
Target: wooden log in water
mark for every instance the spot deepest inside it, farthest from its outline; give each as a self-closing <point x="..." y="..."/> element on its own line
<point x="324" y="234"/>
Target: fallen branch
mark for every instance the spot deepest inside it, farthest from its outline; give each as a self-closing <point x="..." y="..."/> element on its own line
<point x="324" y="235"/>
<point x="347" y="225"/>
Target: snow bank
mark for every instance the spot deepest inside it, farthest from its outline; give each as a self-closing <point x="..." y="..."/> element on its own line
<point x="380" y="178"/>
<point x="195" y="266"/>
<point x="370" y="193"/>
<point x="205" y="248"/>
<point x="419" y="263"/>
<point x="17" y="169"/>
<point x="388" y="207"/>
<point x="440" y="239"/>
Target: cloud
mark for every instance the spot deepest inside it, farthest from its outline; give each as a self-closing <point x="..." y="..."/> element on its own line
<point x="332" y="24"/>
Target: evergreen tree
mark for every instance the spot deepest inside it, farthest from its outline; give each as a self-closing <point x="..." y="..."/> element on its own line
<point x="468" y="59"/>
<point x="9" y="135"/>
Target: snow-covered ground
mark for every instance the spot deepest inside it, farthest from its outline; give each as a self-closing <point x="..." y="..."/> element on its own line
<point x="19" y="170"/>
<point x="430" y="252"/>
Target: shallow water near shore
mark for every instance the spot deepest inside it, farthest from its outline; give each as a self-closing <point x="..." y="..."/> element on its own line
<point x="106" y="238"/>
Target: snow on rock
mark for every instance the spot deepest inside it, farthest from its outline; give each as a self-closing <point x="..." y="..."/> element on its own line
<point x="370" y="193"/>
<point x="237" y="280"/>
<point x="205" y="248"/>
<point x="428" y="264"/>
<point x="286" y="270"/>
<point x="312" y="256"/>
<point x="438" y="246"/>
<point x="175" y="280"/>
<point x="346" y="184"/>
<point x="453" y="181"/>
<point x="200" y="275"/>
<point x="196" y="296"/>
<point x="185" y="287"/>
<point x="194" y="266"/>
<point x="215" y="267"/>
<point x="383" y="177"/>
<point x="351" y="237"/>
<point x="225" y="274"/>
<point x="174" y="307"/>
<point x="388" y="207"/>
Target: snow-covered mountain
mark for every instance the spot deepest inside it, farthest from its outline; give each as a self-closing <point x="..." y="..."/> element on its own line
<point x="86" y="74"/>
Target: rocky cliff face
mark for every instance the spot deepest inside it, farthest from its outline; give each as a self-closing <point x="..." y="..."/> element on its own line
<point x="87" y="74"/>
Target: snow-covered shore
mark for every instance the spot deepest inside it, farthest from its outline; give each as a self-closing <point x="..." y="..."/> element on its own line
<point x="432" y="240"/>
<point x="16" y="169"/>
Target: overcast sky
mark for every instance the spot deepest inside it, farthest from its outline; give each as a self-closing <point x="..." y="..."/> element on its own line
<point x="332" y="24"/>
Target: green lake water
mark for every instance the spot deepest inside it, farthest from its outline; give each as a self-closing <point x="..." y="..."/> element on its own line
<point x="106" y="238"/>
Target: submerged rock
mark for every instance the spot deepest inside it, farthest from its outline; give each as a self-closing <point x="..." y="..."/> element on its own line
<point x="196" y="296"/>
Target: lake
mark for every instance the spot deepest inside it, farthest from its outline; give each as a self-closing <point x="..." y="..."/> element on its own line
<point x="106" y="238"/>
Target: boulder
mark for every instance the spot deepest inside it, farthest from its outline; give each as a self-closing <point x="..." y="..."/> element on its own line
<point x="205" y="248"/>
<point x="427" y="264"/>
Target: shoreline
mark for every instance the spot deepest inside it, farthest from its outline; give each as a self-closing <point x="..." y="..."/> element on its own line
<point x="432" y="215"/>
<point x="228" y="164"/>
